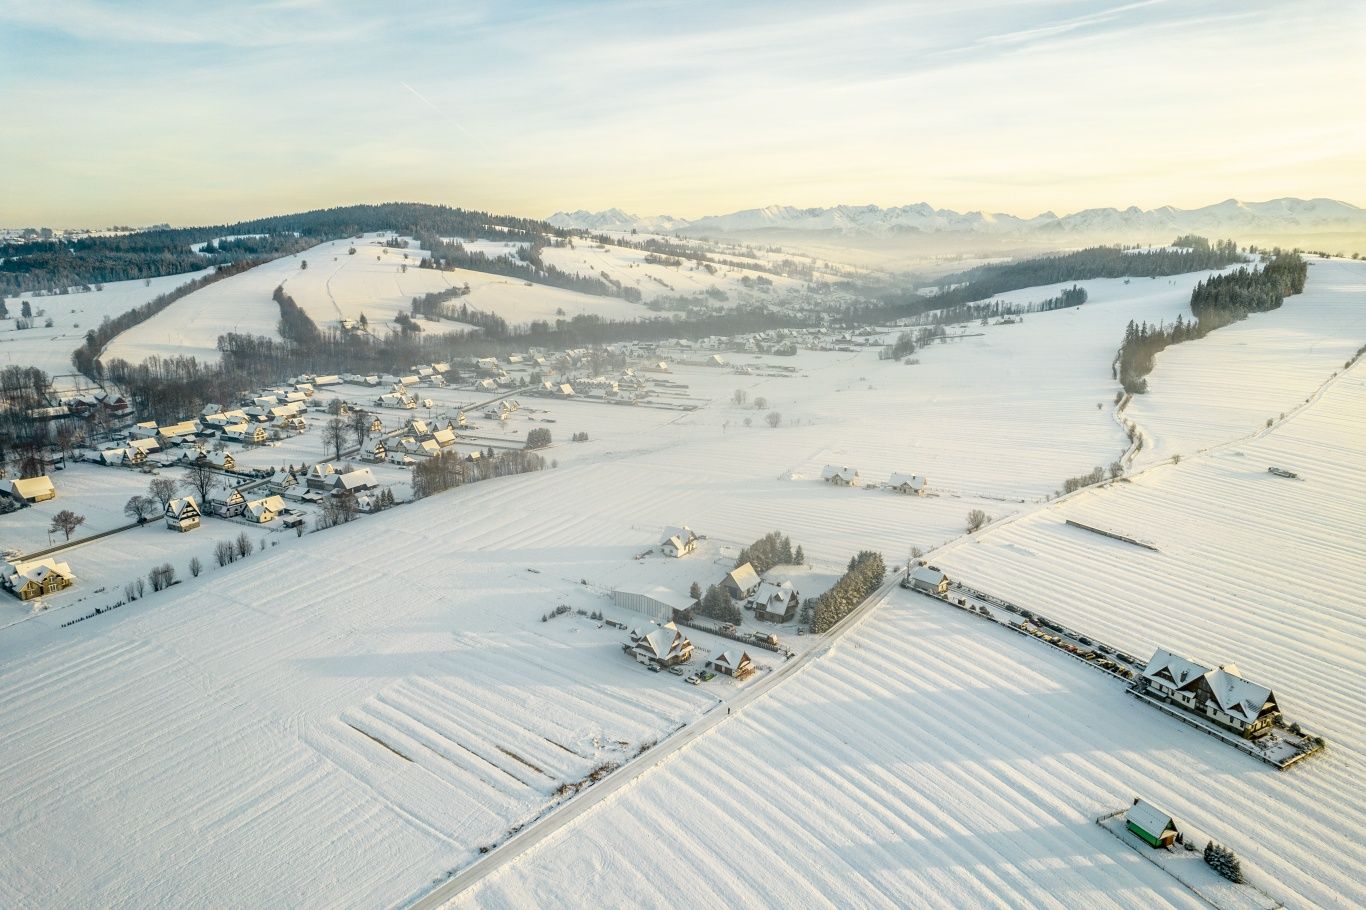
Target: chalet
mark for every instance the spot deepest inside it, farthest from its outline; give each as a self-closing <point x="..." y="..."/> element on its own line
<point x="182" y="514"/>
<point x="421" y="448"/>
<point x="907" y="484"/>
<point x="177" y="433"/>
<point x="928" y="579"/>
<point x="144" y="447"/>
<point x="731" y="663"/>
<point x="34" y="578"/>
<point x="659" y="644"/>
<point x="1220" y="694"/>
<point x="400" y="458"/>
<point x="840" y="475"/>
<point x="741" y="582"/>
<point x="678" y="542"/>
<point x="486" y="385"/>
<point x="776" y="602"/>
<point x="246" y="433"/>
<point x="264" y="509"/>
<point x="282" y="482"/>
<point x="31" y="489"/>
<point x="320" y="476"/>
<point x="122" y="457"/>
<point x="444" y="438"/>
<point x="223" y="461"/>
<point x="145" y="430"/>
<point x="1150" y="823"/>
<point x="373" y="450"/>
<point x="227" y="503"/>
<point x="419" y="427"/>
<point x="355" y="481"/>
<point x="376" y="425"/>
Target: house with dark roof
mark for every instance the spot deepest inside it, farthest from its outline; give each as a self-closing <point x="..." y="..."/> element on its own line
<point x="734" y="663"/>
<point x="776" y="602"/>
<point x="1220" y="693"/>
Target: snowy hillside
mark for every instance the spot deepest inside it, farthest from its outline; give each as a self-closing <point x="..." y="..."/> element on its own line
<point x="1221" y="219"/>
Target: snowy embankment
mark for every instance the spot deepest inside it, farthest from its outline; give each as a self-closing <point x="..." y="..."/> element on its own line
<point x="72" y="315"/>
<point x="1229" y="383"/>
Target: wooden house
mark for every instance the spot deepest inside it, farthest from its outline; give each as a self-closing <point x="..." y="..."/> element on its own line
<point x="31" y="489"/>
<point x="776" y="602"/>
<point x="35" y="578"/>
<point x="1151" y="824"/>
<point x="1220" y="694"/>
<point x="840" y="475"/>
<point x="659" y="644"/>
<point x="374" y="450"/>
<point x="741" y="582"/>
<point x="734" y="663"/>
<point x="182" y="514"/>
<point x="928" y="579"/>
<point x="320" y="476"/>
<point x="227" y="503"/>
<point x="264" y="509"/>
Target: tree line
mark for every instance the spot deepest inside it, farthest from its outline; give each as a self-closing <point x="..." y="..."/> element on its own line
<point x="448" y="469"/>
<point x="864" y="576"/>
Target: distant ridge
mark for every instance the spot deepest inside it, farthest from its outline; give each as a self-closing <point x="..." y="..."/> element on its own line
<point x="1276" y="216"/>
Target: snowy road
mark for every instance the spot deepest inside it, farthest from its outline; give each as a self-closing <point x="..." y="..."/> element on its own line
<point x="529" y="838"/>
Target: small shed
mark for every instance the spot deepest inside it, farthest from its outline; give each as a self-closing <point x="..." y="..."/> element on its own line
<point x="1150" y="823"/>
<point x="930" y="580"/>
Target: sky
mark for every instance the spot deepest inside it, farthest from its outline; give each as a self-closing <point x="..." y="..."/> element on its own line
<point x="145" y="112"/>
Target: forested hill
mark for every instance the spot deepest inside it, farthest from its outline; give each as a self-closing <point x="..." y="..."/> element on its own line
<point x="1187" y="254"/>
<point x="60" y="263"/>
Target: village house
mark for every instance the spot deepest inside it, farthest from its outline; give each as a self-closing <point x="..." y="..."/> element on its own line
<point x="659" y="644"/>
<point x="927" y="579"/>
<point x="34" y="578"/>
<point x="907" y="484"/>
<point x="320" y="476"/>
<point x="400" y="458"/>
<point x="678" y="542"/>
<point x="1150" y="823"/>
<point x="741" y="582"/>
<point x="840" y="475"/>
<point x="282" y="481"/>
<point x="227" y="503"/>
<point x="264" y="509"/>
<point x="1220" y="694"/>
<point x="731" y="663"/>
<point x="223" y="461"/>
<point x="31" y="489"/>
<point x="776" y="602"/>
<point x="374" y="450"/>
<point x="353" y="481"/>
<point x="182" y="514"/>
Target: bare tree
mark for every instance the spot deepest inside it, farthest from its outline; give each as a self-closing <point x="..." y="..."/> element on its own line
<point x="196" y="566"/>
<point x="359" y="419"/>
<point x="244" y="545"/>
<point x="162" y="490"/>
<point x="66" y="521"/>
<point x="140" y="508"/>
<point x="224" y="552"/>
<point x="977" y="519"/>
<point x="334" y="436"/>
<point x="1116" y="470"/>
<point x="201" y="478"/>
<point x="774" y="418"/>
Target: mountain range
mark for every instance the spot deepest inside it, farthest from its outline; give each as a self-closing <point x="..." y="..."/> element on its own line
<point x="1277" y="216"/>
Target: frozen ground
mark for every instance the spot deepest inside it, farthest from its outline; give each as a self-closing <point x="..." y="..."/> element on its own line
<point x="349" y="716"/>
<point x="72" y="316"/>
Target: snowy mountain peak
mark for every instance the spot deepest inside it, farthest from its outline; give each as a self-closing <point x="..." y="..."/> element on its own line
<point x="1232" y="215"/>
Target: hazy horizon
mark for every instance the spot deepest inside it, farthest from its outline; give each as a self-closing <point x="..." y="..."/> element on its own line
<point x="149" y="113"/>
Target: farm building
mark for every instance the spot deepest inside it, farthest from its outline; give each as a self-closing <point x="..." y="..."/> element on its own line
<point x="928" y="579"/>
<point x="31" y="489"/>
<point x="657" y="603"/>
<point x="659" y="644"/>
<point x="840" y="475"/>
<point x="741" y="582"/>
<point x="907" y="484"/>
<point x="27" y="580"/>
<point x="182" y="514"/>
<point x="1150" y="823"/>
<point x="776" y="602"/>
<point x="1220" y="694"/>
<point x="731" y="663"/>
<point x="678" y="541"/>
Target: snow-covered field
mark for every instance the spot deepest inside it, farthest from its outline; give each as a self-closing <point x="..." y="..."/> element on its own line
<point x="348" y="716"/>
<point x="72" y="316"/>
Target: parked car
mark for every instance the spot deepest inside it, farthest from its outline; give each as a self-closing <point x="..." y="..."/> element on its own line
<point x="677" y="671"/>
<point x="654" y="668"/>
<point x="693" y="681"/>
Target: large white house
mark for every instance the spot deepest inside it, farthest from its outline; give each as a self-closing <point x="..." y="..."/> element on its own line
<point x="182" y="514"/>
<point x="1221" y="693"/>
<point x="678" y="542"/>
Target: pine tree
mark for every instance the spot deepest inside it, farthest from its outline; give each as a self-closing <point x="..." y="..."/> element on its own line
<point x="798" y="557"/>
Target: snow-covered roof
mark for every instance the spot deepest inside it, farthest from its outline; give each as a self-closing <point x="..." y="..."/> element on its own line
<point x="177" y="508"/>
<point x="844" y="472"/>
<point x="914" y="481"/>
<point x="36" y="570"/>
<point x="928" y="574"/>
<point x="732" y="659"/>
<point x="1169" y="668"/>
<point x="1149" y="818"/>
<point x="32" y="487"/>
<point x="1236" y="696"/>
<point x="359" y="479"/>
<point x="680" y="536"/>
<point x="769" y="590"/>
<point x="744" y="577"/>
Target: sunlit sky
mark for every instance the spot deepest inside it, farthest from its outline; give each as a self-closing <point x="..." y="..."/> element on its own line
<point x="142" y="112"/>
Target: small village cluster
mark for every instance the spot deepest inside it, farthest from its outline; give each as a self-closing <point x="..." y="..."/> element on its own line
<point x="845" y="476"/>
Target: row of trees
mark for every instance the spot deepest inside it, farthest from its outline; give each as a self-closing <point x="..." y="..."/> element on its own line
<point x="864" y="575"/>
<point x="527" y="265"/>
<point x="716" y="603"/>
<point x="448" y="469"/>
<point x="773" y="549"/>
<point x="295" y="326"/>
<point x="1220" y="300"/>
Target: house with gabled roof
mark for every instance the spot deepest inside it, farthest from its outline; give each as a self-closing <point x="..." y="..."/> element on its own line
<point x="678" y="541"/>
<point x="227" y="503"/>
<point x="374" y="450"/>
<point x="776" y="602"/>
<point x="320" y="476"/>
<point x="353" y="481"/>
<point x="182" y="514"/>
<point x="840" y="475"/>
<point x="264" y="509"/>
<point x="31" y="489"/>
<point x="929" y="579"/>
<point x="741" y="582"/>
<point x="907" y="484"/>
<point x="1220" y="694"/>
<point x="659" y="644"/>
<point x="734" y="662"/>
<point x="1155" y="827"/>
<point x="36" y="577"/>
